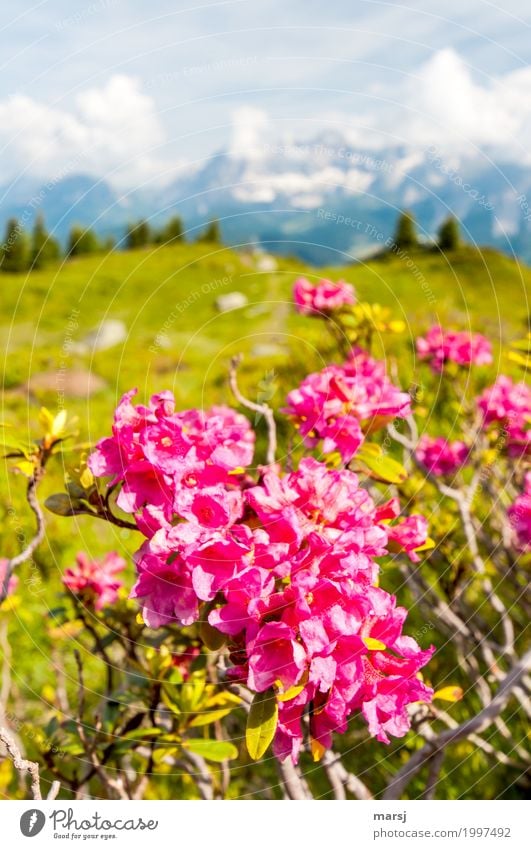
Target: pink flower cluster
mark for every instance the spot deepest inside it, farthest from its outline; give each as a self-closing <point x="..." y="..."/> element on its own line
<point x="95" y="581"/>
<point x="440" y="346"/>
<point x="441" y="457"/>
<point x="286" y="568"/>
<point x="324" y="297"/>
<point x="339" y="404"/>
<point x="520" y="516"/>
<point x="508" y="405"/>
<point x="162" y="457"/>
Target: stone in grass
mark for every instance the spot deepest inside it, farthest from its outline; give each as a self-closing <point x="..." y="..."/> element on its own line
<point x="265" y="262"/>
<point x="73" y="383"/>
<point x="111" y="332"/>
<point x="231" y="301"/>
<point x="268" y="349"/>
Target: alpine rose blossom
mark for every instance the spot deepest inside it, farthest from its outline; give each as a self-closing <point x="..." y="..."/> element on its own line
<point x="160" y="457"/>
<point x="284" y="565"/>
<point x="323" y="297"/>
<point x="507" y="405"/>
<point x="95" y="581"/>
<point x="339" y="404"/>
<point x="439" y="456"/>
<point x="520" y="516"/>
<point x="440" y="346"/>
<point x="408" y="535"/>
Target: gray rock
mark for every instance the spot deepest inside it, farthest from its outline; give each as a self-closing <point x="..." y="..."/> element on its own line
<point x="231" y="301"/>
<point x="266" y="263"/>
<point x="111" y="332"/>
<point x="72" y="383"/>
<point x="268" y="349"/>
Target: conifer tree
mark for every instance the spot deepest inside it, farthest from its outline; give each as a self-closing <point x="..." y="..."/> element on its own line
<point x="138" y="235"/>
<point x="212" y="232"/>
<point x="405" y="236"/>
<point x="14" y="252"/>
<point x="82" y="241"/>
<point x="448" y="236"/>
<point x="44" y="248"/>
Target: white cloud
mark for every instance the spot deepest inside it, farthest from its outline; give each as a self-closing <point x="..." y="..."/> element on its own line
<point x="450" y="108"/>
<point x="111" y="131"/>
<point x="114" y="131"/>
<point x="249" y="126"/>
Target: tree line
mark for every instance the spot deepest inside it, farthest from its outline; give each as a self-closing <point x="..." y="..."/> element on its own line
<point x="22" y="251"/>
<point x="406" y="237"/>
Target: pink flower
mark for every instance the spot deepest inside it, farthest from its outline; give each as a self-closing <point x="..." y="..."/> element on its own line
<point x="94" y="581"/>
<point x="245" y="600"/>
<point x="218" y="561"/>
<point x="166" y="592"/>
<point x="155" y="453"/>
<point x="508" y="405"/>
<point x="275" y="655"/>
<point x="439" y="456"/>
<point x="324" y="297"/>
<point x="520" y="516"/>
<point x="441" y="346"/>
<point x="318" y="500"/>
<point x="359" y="661"/>
<point x="212" y="507"/>
<point x="409" y="534"/>
<point x="341" y="403"/>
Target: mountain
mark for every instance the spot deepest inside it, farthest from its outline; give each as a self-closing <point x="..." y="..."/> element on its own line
<point x="322" y="199"/>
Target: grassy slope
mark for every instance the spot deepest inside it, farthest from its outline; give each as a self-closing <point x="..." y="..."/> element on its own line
<point x="178" y="286"/>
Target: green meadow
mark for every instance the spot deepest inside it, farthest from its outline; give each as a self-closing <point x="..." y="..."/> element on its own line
<point x="176" y="338"/>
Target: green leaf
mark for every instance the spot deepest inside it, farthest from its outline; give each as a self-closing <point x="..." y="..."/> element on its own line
<point x="143" y="733"/>
<point x="63" y="505"/>
<point x="212" y="638"/>
<point x="208" y="716"/>
<point x="261" y="723"/>
<point x="46" y="420"/>
<point x="75" y="490"/>
<point x="16" y="447"/>
<point x="522" y="344"/>
<point x="168" y="696"/>
<point x="380" y="466"/>
<point x="212" y="750"/>
<point x="369" y="449"/>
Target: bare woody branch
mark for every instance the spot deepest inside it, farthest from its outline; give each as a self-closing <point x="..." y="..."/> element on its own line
<point x="27" y="552"/>
<point x="114" y="786"/>
<point x="23" y="765"/>
<point x="474" y="725"/>
<point x="264" y="409"/>
<point x="338" y="776"/>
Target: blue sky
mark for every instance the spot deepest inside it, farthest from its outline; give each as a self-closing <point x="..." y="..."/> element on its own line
<point x="131" y="89"/>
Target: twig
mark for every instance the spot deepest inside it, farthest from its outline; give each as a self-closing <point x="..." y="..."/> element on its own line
<point x="27" y="552"/>
<point x="337" y="773"/>
<point x="263" y="409"/>
<point x="478" y="741"/>
<point x="114" y="784"/>
<point x="474" y="725"/>
<point x="464" y="501"/>
<point x="24" y="765"/>
<point x="6" y="668"/>
<point x="201" y="775"/>
<point x="293" y="782"/>
<point x="435" y="765"/>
